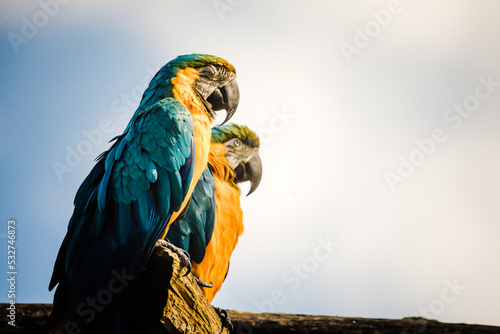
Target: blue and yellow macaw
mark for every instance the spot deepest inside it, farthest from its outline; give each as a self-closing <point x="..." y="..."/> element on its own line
<point x="213" y="222"/>
<point x="137" y="189"/>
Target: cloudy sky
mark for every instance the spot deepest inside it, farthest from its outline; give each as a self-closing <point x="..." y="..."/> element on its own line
<point x="379" y="127"/>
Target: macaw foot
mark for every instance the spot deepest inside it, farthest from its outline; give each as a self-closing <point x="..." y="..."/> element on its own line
<point x="224" y="319"/>
<point x="183" y="255"/>
<point x="203" y="284"/>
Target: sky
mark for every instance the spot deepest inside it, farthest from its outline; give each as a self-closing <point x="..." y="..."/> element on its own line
<point x="378" y="121"/>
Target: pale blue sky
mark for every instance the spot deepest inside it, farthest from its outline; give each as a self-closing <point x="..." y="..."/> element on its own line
<point x="332" y="127"/>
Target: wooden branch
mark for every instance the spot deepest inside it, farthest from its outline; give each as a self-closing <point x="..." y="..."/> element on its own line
<point x="276" y="323"/>
<point x="170" y="301"/>
<point x="163" y="282"/>
<point x="187" y="309"/>
<point x="29" y="318"/>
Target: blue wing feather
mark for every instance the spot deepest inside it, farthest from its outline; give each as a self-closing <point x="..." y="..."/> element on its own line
<point x="123" y="207"/>
<point x="187" y="169"/>
<point x="194" y="232"/>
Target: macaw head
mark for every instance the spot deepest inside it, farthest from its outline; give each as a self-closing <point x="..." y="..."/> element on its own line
<point x="211" y="78"/>
<point x="242" y="152"/>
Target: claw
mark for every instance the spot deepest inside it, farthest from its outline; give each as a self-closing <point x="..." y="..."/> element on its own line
<point x="183" y="255"/>
<point x="186" y="261"/>
<point x="203" y="284"/>
<point x="224" y="319"/>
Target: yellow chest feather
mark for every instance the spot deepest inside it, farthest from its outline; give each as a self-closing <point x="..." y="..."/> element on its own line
<point x="183" y="92"/>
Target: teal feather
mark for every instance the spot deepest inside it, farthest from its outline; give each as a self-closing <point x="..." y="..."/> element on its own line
<point x="140" y="212"/>
<point x="135" y="187"/>
<point x="91" y="197"/>
<point x="176" y="191"/>
<point x="162" y="190"/>
<point x="146" y="98"/>
<point x="174" y="158"/>
<point x="119" y="149"/>
<point x="159" y="156"/>
<point x="117" y="180"/>
<point x="101" y="194"/>
<point x="143" y="162"/>
<point x="194" y="232"/>
<point x="187" y="172"/>
<point x="152" y="172"/>
<point x="130" y="134"/>
<point x="120" y="228"/>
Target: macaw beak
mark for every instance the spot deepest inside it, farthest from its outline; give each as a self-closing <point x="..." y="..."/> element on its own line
<point x="249" y="171"/>
<point x="226" y="97"/>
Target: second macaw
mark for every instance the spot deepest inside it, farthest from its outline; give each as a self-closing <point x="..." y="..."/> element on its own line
<point x="213" y="222"/>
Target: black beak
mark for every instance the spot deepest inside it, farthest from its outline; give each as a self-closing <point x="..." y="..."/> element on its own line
<point x="249" y="171"/>
<point x="226" y="97"/>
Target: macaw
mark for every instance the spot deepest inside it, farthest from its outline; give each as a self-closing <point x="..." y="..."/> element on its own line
<point x="213" y="222"/>
<point x="137" y="189"/>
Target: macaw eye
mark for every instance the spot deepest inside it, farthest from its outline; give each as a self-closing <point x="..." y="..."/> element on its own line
<point x="237" y="143"/>
<point x="213" y="69"/>
<point x="208" y="72"/>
